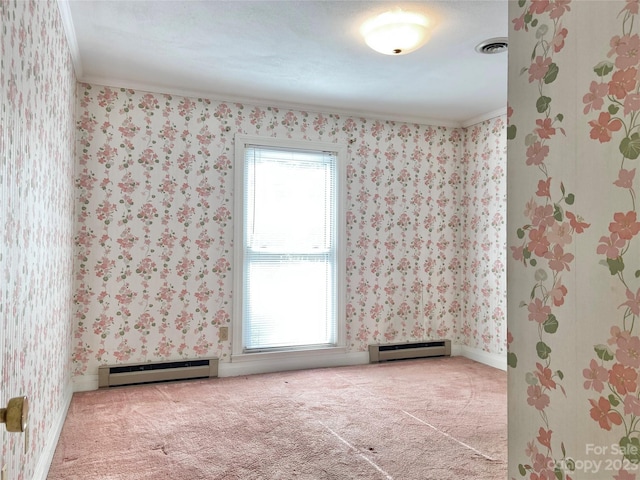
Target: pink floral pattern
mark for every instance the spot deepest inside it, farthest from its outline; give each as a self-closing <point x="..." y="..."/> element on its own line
<point x="36" y="223"/>
<point x="597" y="304"/>
<point x="482" y="303"/>
<point x="545" y="240"/>
<point x="154" y="243"/>
<point x="150" y="228"/>
<point x="612" y="376"/>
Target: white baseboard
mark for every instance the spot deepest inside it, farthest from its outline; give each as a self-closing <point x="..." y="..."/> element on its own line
<point x="280" y="364"/>
<point x="85" y="383"/>
<point x="232" y="369"/>
<point x="491" y="359"/>
<point x="46" y="456"/>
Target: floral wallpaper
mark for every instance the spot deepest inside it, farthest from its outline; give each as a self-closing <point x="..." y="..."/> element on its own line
<point x="481" y="321"/>
<point x="611" y="106"/>
<point x="125" y="254"/>
<point x="545" y="239"/>
<point x="36" y="225"/>
<point x="154" y="247"/>
<point x="574" y="289"/>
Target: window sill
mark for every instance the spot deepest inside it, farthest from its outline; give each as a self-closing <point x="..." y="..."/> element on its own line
<point x="287" y="354"/>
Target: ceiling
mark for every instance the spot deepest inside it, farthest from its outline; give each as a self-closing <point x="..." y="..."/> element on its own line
<point x="302" y="54"/>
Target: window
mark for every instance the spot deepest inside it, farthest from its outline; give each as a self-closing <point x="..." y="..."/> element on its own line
<point x="288" y="256"/>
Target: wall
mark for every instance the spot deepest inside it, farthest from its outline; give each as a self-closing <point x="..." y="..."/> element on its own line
<point x="573" y="267"/>
<point x="154" y="240"/>
<point x="481" y="323"/>
<point x="36" y="225"/>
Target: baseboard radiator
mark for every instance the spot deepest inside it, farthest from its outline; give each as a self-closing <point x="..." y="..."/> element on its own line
<point x="133" y="374"/>
<point x="400" y="351"/>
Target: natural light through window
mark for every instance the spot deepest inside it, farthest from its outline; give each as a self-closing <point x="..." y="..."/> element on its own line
<point x="289" y="232"/>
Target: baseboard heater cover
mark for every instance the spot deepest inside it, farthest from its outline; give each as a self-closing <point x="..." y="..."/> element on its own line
<point x="401" y="351"/>
<point x="133" y="374"/>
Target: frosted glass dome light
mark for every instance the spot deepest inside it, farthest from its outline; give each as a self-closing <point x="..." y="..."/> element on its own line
<point x="396" y="32"/>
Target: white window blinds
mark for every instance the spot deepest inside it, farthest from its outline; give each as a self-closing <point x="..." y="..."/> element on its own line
<point x="289" y="248"/>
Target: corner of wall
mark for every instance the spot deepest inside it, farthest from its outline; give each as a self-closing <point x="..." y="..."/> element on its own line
<point x="51" y="441"/>
<point x="491" y="359"/>
<point x="486" y="116"/>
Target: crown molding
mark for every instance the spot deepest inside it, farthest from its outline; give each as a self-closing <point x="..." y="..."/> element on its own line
<point x="309" y="108"/>
<point x="67" y="23"/>
<point x="481" y="118"/>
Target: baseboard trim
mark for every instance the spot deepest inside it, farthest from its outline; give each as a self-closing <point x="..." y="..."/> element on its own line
<point x="46" y="456"/>
<point x="233" y="369"/>
<point x="87" y="383"/>
<point x="491" y="359"/>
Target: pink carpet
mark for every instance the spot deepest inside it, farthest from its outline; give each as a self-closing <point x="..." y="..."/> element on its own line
<point x="432" y="419"/>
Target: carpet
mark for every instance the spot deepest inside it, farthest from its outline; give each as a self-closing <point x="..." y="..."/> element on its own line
<point x="430" y="419"/>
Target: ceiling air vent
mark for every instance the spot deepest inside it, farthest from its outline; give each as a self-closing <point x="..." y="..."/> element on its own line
<point x="493" y="45"/>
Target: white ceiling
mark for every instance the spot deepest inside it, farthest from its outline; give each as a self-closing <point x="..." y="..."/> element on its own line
<point x="304" y="54"/>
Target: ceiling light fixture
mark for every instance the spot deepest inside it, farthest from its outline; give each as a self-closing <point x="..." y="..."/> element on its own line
<point x="396" y="32"/>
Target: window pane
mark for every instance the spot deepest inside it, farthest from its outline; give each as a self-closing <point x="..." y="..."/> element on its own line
<point x="289" y="303"/>
<point x="290" y="249"/>
<point x="289" y="204"/>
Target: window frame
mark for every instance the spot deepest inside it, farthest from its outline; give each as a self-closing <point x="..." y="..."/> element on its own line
<point x="340" y="151"/>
